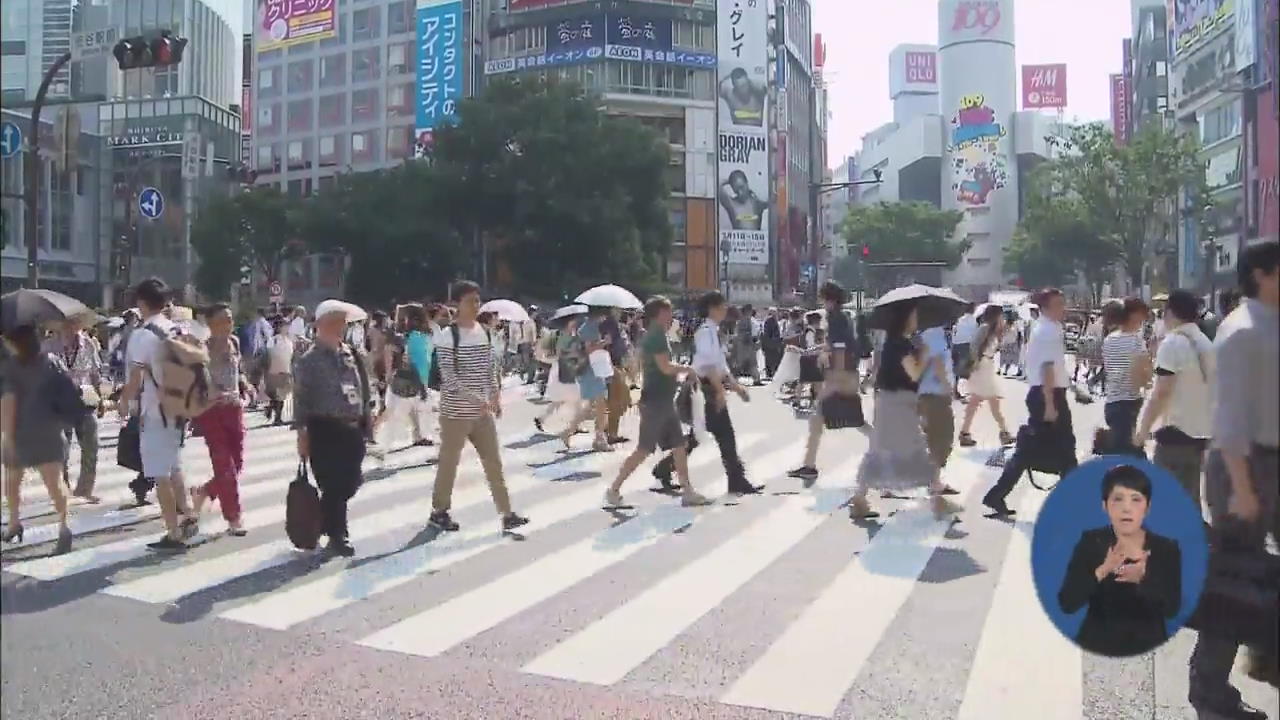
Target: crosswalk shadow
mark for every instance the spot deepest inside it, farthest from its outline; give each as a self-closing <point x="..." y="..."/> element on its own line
<point x="199" y="605"/>
<point x="948" y="564"/>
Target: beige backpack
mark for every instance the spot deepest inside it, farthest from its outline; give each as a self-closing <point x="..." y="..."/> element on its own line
<point x="185" y="385"/>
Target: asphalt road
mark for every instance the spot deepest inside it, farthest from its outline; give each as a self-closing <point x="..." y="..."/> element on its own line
<point x="773" y="606"/>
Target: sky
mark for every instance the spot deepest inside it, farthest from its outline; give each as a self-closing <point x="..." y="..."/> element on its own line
<point x="1084" y="34"/>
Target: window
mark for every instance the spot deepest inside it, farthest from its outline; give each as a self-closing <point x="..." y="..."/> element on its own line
<point x="679" y="217"/>
<point x="333" y="70"/>
<point x="331" y="149"/>
<point x="400" y="100"/>
<point x="364" y="105"/>
<point x="365" y="24"/>
<point x="269" y="158"/>
<point x="301" y="76"/>
<point x="1162" y="68"/>
<point x="300" y="115"/>
<point x="978" y="262"/>
<point x="268" y="120"/>
<point x="340" y="33"/>
<point x="13" y="47"/>
<point x="329" y="271"/>
<point x="399" y="59"/>
<point x="299" y="155"/>
<point x="298" y="276"/>
<point x="692" y="35"/>
<point x="675" y="174"/>
<point x="400" y="16"/>
<point x="364" y="146"/>
<point x="325" y="183"/>
<point x="333" y="110"/>
<point x="269" y="82"/>
<point x="364" y="64"/>
<point x="399" y="142"/>
<point x="1220" y="123"/>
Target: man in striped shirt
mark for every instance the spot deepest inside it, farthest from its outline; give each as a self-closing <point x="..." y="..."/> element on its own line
<point x="1128" y="370"/>
<point x="470" y="402"/>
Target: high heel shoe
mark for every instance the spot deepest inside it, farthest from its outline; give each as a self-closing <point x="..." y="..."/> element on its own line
<point x="13" y="534"/>
<point x="64" y="541"/>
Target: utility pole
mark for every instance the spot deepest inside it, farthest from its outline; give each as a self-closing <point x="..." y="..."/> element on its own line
<point x="31" y="180"/>
<point x="816" y="190"/>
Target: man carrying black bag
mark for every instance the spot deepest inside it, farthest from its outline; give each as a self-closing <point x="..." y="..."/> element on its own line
<point x="331" y="414"/>
<point x="1240" y="475"/>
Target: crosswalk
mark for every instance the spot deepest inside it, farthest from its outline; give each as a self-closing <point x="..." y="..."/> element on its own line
<point x="776" y="602"/>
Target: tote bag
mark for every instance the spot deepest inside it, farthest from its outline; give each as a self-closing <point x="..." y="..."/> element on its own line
<point x="601" y="364"/>
<point x="303" y="522"/>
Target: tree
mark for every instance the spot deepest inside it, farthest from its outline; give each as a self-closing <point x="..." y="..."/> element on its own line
<point x="905" y="232"/>
<point x="1127" y="191"/>
<point x="392" y="225"/>
<point x="562" y="194"/>
<point x="255" y="228"/>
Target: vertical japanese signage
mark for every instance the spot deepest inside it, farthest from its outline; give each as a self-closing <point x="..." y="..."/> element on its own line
<point x="743" y="143"/>
<point x="281" y="23"/>
<point x="1044" y="86"/>
<point x="1120" y="109"/>
<point x="438" y="59"/>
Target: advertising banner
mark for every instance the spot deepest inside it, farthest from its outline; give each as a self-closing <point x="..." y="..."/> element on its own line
<point x="921" y="68"/>
<point x="1246" y="35"/>
<point x="1195" y="21"/>
<point x="623" y="36"/>
<point x="514" y="5"/>
<point x="743" y="147"/>
<point x="282" y="23"/>
<point x="1044" y="86"/>
<point x="1120" y="109"/>
<point x="438" y="62"/>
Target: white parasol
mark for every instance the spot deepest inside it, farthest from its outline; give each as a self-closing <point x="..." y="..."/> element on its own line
<point x="508" y="310"/>
<point x="610" y="296"/>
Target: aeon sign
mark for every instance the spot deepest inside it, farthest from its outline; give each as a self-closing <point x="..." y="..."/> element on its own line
<point x="981" y="16"/>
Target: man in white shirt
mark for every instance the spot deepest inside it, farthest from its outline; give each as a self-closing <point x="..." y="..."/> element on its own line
<point x="298" y="325"/>
<point x="160" y="439"/>
<point x="1182" y="397"/>
<point x="1050" y="415"/>
<point x="961" y="337"/>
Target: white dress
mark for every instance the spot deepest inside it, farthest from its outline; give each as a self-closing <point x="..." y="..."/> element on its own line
<point x="982" y="378"/>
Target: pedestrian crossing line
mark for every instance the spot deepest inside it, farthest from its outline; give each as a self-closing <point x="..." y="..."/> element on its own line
<point x="379" y="529"/>
<point x="120" y="551"/>
<point x="1000" y="677"/>
<point x="444" y="626"/>
<point x="810" y="667"/>
<point x="282" y="610"/>
<point x="608" y="650"/>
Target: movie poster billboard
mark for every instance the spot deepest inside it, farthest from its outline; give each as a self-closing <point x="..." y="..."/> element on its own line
<point x="438" y="63"/>
<point x="281" y="23"/>
<point x="1044" y="86"/>
<point x="743" y="142"/>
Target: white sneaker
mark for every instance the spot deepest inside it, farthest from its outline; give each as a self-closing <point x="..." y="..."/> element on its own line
<point x="612" y="498"/>
<point x="693" y="499"/>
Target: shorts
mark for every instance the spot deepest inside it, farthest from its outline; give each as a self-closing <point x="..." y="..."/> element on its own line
<point x="659" y="426"/>
<point x="161" y="448"/>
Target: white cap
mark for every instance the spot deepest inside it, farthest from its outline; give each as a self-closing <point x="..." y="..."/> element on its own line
<point x="353" y="313"/>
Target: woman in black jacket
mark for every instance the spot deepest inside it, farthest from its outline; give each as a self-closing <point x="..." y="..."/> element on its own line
<point x="1130" y="577"/>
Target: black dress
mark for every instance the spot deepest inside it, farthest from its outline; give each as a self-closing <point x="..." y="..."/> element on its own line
<point x="1123" y="618"/>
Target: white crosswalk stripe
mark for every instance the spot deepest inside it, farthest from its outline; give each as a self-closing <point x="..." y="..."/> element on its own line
<point x="809" y="661"/>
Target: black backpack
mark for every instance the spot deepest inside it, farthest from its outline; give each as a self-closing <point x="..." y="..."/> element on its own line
<point x="63" y="394"/>
<point x="433" y="378"/>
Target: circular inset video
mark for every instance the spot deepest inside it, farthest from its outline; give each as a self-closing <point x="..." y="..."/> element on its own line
<point x="1119" y="556"/>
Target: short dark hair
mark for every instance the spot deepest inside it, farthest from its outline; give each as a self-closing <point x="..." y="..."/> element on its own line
<point x="655" y="305"/>
<point x="1134" y="305"/>
<point x="712" y="299"/>
<point x="1113" y="314"/>
<point x="897" y="315"/>
<point x="1228" y="300"/>
<point x="152" y="292"/>
<point x="1043" y="297"/>
<point x="831" y="291"/>
<point x="1264" y="256"/>
<point x="463" y="288"/>
<point x="415" y="317"/>
<point x="214" y="309"/>
<point x="26" y="343"/>
<point x="484" y="317"/>
<point x="1126" y="476"/>
<point x="1184" y="305"/>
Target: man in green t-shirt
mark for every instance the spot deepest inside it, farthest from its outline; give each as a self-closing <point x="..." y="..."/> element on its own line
<point x="659" y="422"/>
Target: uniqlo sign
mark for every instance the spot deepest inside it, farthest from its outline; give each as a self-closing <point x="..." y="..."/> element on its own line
<point x="1044" y="86"/>
<point x="921" y="68"/>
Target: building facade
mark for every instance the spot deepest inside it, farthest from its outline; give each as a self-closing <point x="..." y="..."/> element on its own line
<point x="1149" y="71"/>
<point x="33" y="35"/>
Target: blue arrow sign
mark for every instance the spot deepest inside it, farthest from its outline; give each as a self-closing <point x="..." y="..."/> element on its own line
<point x="151" y="203"/>
<point x="10" y="140"/>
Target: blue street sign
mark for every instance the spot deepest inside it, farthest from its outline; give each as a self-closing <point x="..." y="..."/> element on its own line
<point x="10" y="140"/>
<point x="151" y="203"/>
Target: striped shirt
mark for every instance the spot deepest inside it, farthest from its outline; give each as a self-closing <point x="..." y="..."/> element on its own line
<point x="1119" y="350"/>
<point x="468" y="374"/>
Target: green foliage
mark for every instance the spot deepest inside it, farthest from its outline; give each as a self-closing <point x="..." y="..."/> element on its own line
<point x="256" y="228"/>
<point x="905" y="232"/>
<point x="1057" y="240"/>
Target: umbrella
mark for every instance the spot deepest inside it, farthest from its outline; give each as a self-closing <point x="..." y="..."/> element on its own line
<point x="508" y="310"/>
<point x="609" y="296"/>
<point x="38" y="307"/>
<point x="934" y="306"/>
<point x="562" y="315"/>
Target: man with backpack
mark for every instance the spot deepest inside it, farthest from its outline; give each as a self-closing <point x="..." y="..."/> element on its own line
<point x="470" y="402"/>
<point x="161" y="433"/>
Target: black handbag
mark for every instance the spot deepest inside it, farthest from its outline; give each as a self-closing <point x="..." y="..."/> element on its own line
<point x="129" y="446"/>
<point x="1044" y="449"/>
<point x="840" y="411"/>
<point x="809" y="370"/>
<point x="303" y="520"/>
<point x="1240" y="597"/>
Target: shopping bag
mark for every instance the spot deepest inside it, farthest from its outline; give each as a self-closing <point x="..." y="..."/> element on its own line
<point x="128" y="446"/>
<point x="601" y="364"/>
<point x="303" y="521"/>
<point x="1240" y="595"/>
<point x="841" y="411"/>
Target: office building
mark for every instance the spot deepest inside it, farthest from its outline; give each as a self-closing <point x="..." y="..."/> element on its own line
<point x="33" y="35"/>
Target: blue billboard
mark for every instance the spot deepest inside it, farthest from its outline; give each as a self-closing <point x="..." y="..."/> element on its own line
<point x="438" y="61"/>
<point x="617" y="36"/>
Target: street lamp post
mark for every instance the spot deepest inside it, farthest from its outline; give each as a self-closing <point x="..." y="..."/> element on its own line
<point x="815" y="191"/>
<point x="31" y="191"/>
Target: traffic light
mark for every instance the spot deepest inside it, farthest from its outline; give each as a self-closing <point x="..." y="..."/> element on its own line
<point x="145" y="51"/>
<point x="866" y="251"/>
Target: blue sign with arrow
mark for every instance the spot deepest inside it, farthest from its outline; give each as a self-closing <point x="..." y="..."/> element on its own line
<point x="151" y="203"/>
<point x="10" y="140"/>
